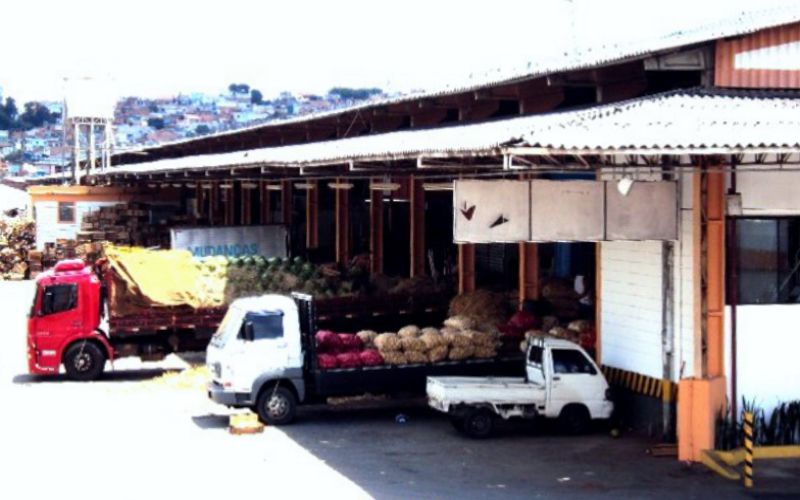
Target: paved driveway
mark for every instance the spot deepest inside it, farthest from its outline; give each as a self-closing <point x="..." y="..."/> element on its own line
<point x="147" y="430"/>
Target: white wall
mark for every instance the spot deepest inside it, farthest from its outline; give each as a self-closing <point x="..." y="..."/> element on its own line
<point x="769" y="193"/>
<point x="48" y="229"/>
<point x="768" y="343"/>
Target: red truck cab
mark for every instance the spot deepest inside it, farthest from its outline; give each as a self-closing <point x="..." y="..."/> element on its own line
<point x="64" y="323"/>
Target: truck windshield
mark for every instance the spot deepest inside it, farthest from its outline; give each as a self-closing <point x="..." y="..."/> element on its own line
<point x="218" y="339"/>
<point x="32" y="312"/>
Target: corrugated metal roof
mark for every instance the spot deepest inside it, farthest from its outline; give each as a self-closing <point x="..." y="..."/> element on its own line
<point x="594" y="56"/>
<point x="684" y="121"/>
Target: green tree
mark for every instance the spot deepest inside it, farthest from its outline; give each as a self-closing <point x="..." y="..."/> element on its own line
<point x="202" y="129"/>
<point x="256" y="97"/>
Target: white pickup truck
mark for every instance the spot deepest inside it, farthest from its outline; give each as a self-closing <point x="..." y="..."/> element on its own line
<point x="561" y="382"/>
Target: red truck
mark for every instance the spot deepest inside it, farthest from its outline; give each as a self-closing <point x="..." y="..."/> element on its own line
<point x="70" y="323"/>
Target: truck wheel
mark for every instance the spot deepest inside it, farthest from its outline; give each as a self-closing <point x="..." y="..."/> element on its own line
<point x="478" y="424"/>
<point x="574" y="419"/>
<point x="84" y="361"/>
<point x="276" y="405"/>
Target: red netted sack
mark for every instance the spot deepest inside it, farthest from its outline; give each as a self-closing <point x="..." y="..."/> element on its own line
<point x="348" y="342"/>
<point x="524" y="320"/>
<point x="371" y="357"/>
<point x="348" y="360"/>
<point x="327" y="361"/>
<point x="327" y="341"/>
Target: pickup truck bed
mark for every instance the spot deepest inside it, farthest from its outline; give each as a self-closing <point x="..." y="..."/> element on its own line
<point x="446" y="391"/>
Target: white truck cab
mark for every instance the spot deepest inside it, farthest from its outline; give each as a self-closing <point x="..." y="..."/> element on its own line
<point x="258" y="342"/>
<point x="562" y="381"/>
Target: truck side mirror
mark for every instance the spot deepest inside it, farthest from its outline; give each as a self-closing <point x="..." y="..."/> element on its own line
<point x="249" y="331"/>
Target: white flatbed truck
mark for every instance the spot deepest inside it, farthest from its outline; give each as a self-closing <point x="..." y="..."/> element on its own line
<point x="561" y="381"/>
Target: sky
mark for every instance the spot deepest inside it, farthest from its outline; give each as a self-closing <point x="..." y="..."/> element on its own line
<point x="159" y="48"/>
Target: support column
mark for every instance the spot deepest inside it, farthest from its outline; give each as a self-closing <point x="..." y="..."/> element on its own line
<point x="92" y="154"/>
<point x="227" y="203"/>
<point x="714" y="294"/>
<point x="286" y="202"/>
<point x="265" y="198"/>
<point x="247" y="202"/>
<point x="342" y="215"/>
<point x="529" y="271"/>
<point x="198" y="203"/>
<point x="417" y="218"/>
<point x="213" y="203"/>
<point x="376" y="231"/>
<point x="76" y="152"/>
<point x="312" y="215"/>
<point x="466" y="267"/>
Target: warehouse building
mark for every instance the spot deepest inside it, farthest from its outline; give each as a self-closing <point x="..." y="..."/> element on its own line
<point x="663" y="172"/>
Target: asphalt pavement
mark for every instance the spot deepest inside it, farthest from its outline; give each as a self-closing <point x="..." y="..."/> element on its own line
<point x="148" y="430"/>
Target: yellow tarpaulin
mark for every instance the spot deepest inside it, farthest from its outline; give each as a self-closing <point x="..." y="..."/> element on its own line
<point x="165" y="278"/>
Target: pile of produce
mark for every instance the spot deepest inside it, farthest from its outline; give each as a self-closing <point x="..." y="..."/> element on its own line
<point x="17" y="238"/>
<point x="579" y="331"/>
<point x="344" y="350"/>
<point x="253" y="275"/>
<point x="485" y="309"/>
<point x="409" y="345"/>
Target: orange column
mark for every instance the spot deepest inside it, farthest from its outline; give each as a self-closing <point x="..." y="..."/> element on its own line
<point x="342" y="214"/>
<point x="714" y="209"/>
<point x="466" y="267"/>
<point x="417" y="207"/>
<point x="376" y="231"/>
<point x="312" y="216"/>
<point x="528" y="271"/>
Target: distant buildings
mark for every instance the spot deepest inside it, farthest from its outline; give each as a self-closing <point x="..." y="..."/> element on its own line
<point x="146" y="122"/>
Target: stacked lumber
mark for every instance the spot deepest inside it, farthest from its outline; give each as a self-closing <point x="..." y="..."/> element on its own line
<point x="17" y="238"/>
<point x="127" y="224"/>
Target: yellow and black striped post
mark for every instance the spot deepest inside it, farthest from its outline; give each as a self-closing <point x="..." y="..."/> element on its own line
<point x="748" y="450"/>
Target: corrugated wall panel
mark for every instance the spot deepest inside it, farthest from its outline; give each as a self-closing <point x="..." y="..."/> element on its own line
<point x="752" y="61"/>
<point x="631" y="306"/>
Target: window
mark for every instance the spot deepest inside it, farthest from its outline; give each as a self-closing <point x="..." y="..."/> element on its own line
<point x="266" y="325"/>
<point x="571" y="361"/>
<point x="535" y="355"/>
<point x="66" y="211"/>
<point x="767" y="260"/>
<point x="59" y="298"/>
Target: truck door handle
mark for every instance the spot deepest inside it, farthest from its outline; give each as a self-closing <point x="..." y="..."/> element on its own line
<point x="556" y="379"/>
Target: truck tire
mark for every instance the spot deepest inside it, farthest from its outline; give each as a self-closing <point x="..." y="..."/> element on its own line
<point x="574" y="419"/>
<point x="478" y="424"/>
<point x="84" y="361"/>
<point x="276" y="405"/>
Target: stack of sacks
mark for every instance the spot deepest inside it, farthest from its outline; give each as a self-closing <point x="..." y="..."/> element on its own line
<point x="342" y="350"/>
<point x="465" y="341"/>
<point x="413" y="347"/>
<point x="435" y="344"/>
<point x="391" y="348"/>
<point x="367" y="338"/>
